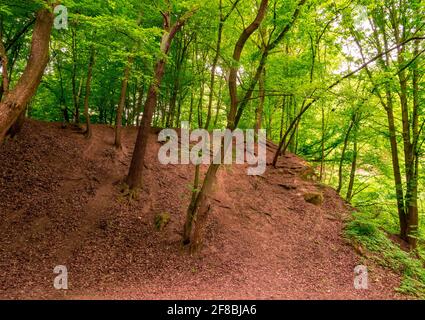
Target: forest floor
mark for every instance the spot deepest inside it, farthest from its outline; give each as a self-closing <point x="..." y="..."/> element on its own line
<point x="60" y="204"/>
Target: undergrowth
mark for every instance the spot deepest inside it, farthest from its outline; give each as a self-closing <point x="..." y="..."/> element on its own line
<point x="366" y="231"/>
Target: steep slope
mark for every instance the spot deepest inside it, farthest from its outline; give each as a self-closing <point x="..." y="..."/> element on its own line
<point x="60" y="204"/>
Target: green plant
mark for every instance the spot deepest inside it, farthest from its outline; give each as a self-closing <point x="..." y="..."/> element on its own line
<point x="364" y="230"/>
<point x="161" y="220"/>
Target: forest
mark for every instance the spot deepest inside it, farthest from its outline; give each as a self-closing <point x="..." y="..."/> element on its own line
<point x="335" y="87"/>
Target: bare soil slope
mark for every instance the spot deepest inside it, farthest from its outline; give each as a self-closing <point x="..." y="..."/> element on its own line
<point x="60" y="204"/>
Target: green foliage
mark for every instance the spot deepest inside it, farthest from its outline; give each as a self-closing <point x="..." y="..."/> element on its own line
<point x="328" y="40"/>
<point x="364" y="229"/>
<point x="161" y="220"/>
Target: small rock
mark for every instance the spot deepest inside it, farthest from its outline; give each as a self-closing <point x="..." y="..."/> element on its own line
<point x="315" y="198"/>
<point x="287" y="186"/>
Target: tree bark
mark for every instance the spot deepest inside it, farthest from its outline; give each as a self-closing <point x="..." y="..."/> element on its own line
<point x="141" y="91"/>
<point x="223" y="19"/>
<point x="192" y="101"/>
<point x="260" y="107"/>
<point x="187" y="231"/>
<point x="17" y="99"/>
<point x="16" y="128"/>
<point x="213" y="70"/>
<point x="120" y="109"/>
<point x="5" y="65"/>
<point x="344" y="149"/>
<point x="200" y="210"/>
<point x="200" y="104"/>
<point x="412" y="185"/>
<point x="88" y="132"/>
<point x="76" y="92"/>
<point x="135" y="174"/>
<point x="293" y="125"/>
<point x="240" y="44"/>
<point x="322" y="147"/>
<point x="176" y="92"/>
<point x="219" y="102"/>
<point x="388" y="103"/>
<point x="353" y="168"/>
<point x="265" y="54"/>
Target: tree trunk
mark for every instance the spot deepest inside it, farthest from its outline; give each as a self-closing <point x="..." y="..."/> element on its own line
<point x="387" y="103"/>
<point x="62" y="101"/>
<point x="179" y="107"/>
<point x="237" y="114"/>
<point x="397" y="173"/>
<point x="134" y="178"/>
<point x="260" y="107"/>
<point x="135" y="174"/>
<point x="75" y="93"/>
<point x="199" y="211"/>
<point x="202" y="207"/>
<point x="187" y="231"/>
<point x="344" y="149"/>
<point x="192" y="101"/>
<point x="353" y="169"/>
<point x="16" y="128"/>
<point x="141" y="91"/>
<point x="88" y="132"/>
<point x="292" y="144"/>
<point x="223" y="19"/>
<point x="240" y="44"/>
<point x="120" y="109"/>
<point x="282" y="117"/>
<point x="220" y="99"/>
<point x="5" y="65"/>
<point x="412" y="185"/>
<point x="173" y="102"/>
<point x="200" y="104"/>
<point x="17" y="99"/>
<point x="214" y="68"/>
<point x="294" y="123"/>
<point x="176" y="92"/>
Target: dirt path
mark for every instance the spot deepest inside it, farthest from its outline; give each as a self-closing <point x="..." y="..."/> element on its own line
<point x="60" y="204"/>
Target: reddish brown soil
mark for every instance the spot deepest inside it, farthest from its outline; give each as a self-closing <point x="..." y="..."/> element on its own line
<point x="60" y="204"/>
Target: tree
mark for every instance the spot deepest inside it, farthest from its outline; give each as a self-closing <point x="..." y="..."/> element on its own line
<point x="406" y="199"/>
<point x="135" y="174"/>
<point x="121" y="103"/>
<point x="88" y="132"/>
<point x="16" y="99"/>
<point x="200" y="208"/>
